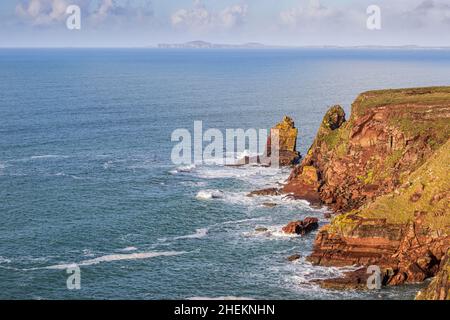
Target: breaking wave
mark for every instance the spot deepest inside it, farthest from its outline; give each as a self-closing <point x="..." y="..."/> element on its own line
<point x="209" y="194"/>
<point x="199" y="233"/>
<point x="117" y="257"/>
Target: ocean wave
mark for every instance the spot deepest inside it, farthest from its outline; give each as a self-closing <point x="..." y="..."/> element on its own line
<point x="271" y="232"/>
<point x="183" y="169"/>
<point x="199" y="233"/>
<point x="48" y="156"/>
<point x="117" y="257"/>
<point x="245" y="220"/>
<point x="62" y="174"/>
<point x="209" y="194"/>
<point x="4" y="260"/>
<point x="131" y="248"/>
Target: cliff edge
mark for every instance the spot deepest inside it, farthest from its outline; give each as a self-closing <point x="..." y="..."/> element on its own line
<point x="385" y="170"/>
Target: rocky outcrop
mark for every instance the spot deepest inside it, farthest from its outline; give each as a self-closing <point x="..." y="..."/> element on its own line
<point x="265" y="192"/>
<point x="301" y="227"/>
<point x="439" y="287"/>
<point x="386" y="171"/>
<point x="286" y="133"/>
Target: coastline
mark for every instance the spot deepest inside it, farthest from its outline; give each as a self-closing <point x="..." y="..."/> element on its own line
<point x="382" y="172"/>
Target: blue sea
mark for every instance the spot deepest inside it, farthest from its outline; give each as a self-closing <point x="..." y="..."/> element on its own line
<point x="86" y="175"/>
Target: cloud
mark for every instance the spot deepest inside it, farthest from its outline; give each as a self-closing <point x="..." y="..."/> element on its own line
<point x="431" y="12"/>
<point x="48" y="12"/>
<point x="111" y="10"/>
<point x="200" y="18"/>
<point x="312" y="15"/>
<point x="42" y="12"/>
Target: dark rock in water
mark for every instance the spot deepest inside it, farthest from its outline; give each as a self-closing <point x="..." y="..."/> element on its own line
<point x="302" y="226"/>
<point x="350" y="281"/>
<point x="261" y="229"/>
<point x="269" y="204"/>
<point x="265" y="192"/>
<point x="294" y="257"/>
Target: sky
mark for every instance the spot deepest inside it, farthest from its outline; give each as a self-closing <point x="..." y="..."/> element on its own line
<point x="143" y="23"/>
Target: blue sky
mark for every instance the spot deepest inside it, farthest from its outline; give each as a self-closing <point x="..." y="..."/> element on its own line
<point x="127" y="23"/>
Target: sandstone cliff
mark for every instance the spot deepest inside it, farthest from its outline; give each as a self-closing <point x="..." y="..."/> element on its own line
<point x="390" y="133"/>
<point x="385" y="169"/>
<point x="439" y="288"/>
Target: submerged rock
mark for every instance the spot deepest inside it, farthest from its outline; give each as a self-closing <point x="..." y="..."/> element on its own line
<point x="269" y="204"/>
<point x="264" y="192"/>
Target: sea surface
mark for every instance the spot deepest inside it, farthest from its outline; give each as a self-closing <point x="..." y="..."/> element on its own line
<point x="86" y="175"/>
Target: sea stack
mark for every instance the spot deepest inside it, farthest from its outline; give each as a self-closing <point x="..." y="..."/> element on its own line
<point x="287" y="137"/>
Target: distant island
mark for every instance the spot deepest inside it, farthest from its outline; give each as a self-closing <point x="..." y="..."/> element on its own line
<point x="199" y="44"/>
<point x="208" y="45"/>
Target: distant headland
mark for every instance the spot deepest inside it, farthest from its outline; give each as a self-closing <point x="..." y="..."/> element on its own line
<point x="200" y="44"/>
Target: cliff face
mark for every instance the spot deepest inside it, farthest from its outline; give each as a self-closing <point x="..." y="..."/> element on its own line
<point x="439" y="288"/>
<point x="389" y="134"/>
<point x="386" y="171"/>
<point x="406" y="233"/>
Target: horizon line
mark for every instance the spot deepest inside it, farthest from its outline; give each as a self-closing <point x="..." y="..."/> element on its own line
<point x="237" y="46"/>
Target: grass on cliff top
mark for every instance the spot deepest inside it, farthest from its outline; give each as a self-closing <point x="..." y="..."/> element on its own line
<point x="379" y="98"/>
<point x="431" y="180"/>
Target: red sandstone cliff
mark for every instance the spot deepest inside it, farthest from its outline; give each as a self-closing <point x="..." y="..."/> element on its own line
<point x="385" y="170"/>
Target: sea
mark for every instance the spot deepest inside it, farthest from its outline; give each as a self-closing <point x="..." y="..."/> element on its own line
<point x="88" y="188"/>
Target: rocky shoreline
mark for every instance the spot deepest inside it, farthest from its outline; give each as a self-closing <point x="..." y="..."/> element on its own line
<point x="384" y="173"/>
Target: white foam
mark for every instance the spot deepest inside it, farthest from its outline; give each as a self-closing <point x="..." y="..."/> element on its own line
<point x="209" y="194"/>
<point x="4" y="260"/>
<point x="131" y="248"/>
<point x="199" y="233"/>
<point x="117" y="257"/>
<point x="62" y="174"/>
<point x="220" y="298"/>
<point x="183" y="169"/>
<point x="107" y="164"/>
<point x="48" y="156"/>
<point x="88" y="253"/>
<point x="273" y="232"/>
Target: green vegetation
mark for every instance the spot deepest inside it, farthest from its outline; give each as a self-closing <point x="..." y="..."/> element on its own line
<point x="418" y="96"/>
<point x="427" y="190"/>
